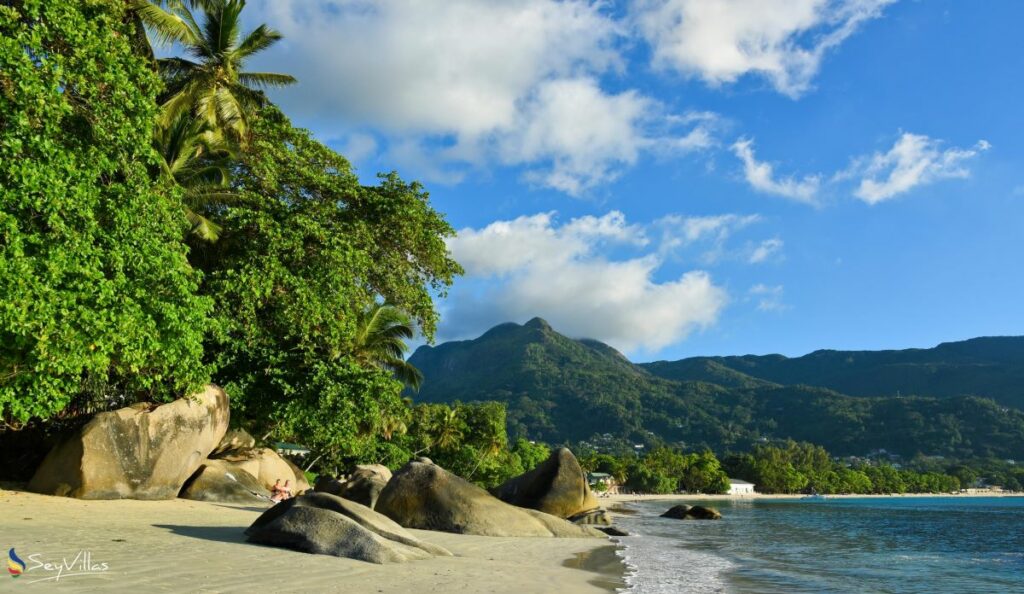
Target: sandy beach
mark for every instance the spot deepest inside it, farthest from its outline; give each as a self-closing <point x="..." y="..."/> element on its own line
<point x="181" y="545"/>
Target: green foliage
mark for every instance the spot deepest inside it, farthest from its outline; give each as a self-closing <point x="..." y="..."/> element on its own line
<point x="301" y="258"/>
<point x="338" y="411"/>
<point x="802" y="467"/>
<point x="98" y="300"/>
<point x="469" y="440"/>
<point x="562" y="390"/>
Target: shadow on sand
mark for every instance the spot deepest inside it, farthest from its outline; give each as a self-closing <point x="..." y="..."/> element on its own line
<point x="230" y="534"/>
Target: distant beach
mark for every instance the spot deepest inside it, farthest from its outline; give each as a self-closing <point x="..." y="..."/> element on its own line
<point x="626" y="498"/>
<point x="176" y="545"/>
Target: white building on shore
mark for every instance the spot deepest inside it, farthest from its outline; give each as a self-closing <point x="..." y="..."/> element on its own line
<point x="738" y="487"/>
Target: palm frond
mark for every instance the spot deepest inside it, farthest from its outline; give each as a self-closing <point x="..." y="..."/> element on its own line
<point x="266" y="79"/>
<point x="257" y="40"/>
<point x="167" y="27"/>
<point x="176" y="68"/>
<point x="221" y="27"/>
<point x="407" y="374"/>
<point x="202" y="227"/>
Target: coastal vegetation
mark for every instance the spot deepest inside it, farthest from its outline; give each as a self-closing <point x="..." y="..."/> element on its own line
<point x="164" y="225"/>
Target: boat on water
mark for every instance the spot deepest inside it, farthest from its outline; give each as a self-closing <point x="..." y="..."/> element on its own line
<point x="814" y="497"/>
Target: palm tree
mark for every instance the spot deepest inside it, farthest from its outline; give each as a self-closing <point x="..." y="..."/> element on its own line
<point x="381" y="332"/>
<point x="492" y="446"/>
<point x="215" y="86"/>
<point x="197" y="158"/>
<point x="446" y="430"/>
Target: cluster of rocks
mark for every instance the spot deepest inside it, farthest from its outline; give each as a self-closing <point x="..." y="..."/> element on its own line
<point x="184" y="449"/>
<point x="148" y="451"/>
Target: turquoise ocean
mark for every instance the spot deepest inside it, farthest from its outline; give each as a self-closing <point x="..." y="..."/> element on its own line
<point x="892" y="544"/>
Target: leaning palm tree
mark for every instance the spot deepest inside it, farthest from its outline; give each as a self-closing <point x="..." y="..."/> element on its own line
<point x="381" y="332"/>
<point x="214" y="86"/>
<point x="196" y="158"/>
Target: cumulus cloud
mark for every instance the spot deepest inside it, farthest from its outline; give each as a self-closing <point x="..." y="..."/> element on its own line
<point x="720" y="41"/>
<point x="913" y="160"/>
<point x="761" y="176"/>
<point x="769" y="298"/>
<point x="468" y="83"/>
<point x="584" y="133"/>
<point x="765" y="250"/>
<point x="566" y="273"/>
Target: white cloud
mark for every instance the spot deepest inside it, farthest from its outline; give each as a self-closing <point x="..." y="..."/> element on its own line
<point x="769" y="298"/>
<point x="720" y="41"/>
<point x="505" y="247"/>
<point x="565" y="273"/>
<point x="468" y="83"/>
<point x="913" y="160"/>
<point x="680" y="231"/>
<point x="583" y="132"/>
<point x="765" y="250"/>
<point x="761" y="176"/>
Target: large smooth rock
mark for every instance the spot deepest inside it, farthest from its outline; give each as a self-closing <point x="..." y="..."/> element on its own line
<point x="696" y="512"/>
<point x="235" y="439"/>
<point x="329" y="525"/>
<point x="267" y="466"/>
<point x="365" y="485"/>
<point x="557" y="486"/>
<point x="223" y="482"/>
<point x="426" y="496"/>
<point x="594" y="517"/>
<point x="143" y="451"/>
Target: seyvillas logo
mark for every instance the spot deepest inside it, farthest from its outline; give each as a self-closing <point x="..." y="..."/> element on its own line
<point x="41" y="570"/>
<point x="15" y="566"/>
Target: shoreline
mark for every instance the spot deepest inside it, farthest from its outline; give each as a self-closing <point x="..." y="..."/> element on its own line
<point x="165" y="546"/>
<point x="622" y="498"/>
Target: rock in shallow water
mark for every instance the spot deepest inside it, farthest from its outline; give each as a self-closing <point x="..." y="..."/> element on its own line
<point x="696" y="512"/>
<point x="329" y="525"/>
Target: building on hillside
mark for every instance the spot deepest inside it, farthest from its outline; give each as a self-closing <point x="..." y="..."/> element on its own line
<point x="738" y="487"/>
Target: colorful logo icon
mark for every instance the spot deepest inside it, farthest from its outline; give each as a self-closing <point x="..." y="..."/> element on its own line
<point x="15" y="566"/>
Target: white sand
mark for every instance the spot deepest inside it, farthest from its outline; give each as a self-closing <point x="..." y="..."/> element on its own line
<point x="189" y="546"/>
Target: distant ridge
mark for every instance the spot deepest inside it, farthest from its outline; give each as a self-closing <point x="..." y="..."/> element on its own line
<point x="560" y="389"/>
<point x="992" y="367"/>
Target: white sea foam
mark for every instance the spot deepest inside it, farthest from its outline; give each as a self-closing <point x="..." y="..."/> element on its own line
<point x="659" y="564"/>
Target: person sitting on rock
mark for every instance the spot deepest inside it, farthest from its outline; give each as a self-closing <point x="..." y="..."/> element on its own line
<point x="277" y="492"/>
<point x="286" y="490"/>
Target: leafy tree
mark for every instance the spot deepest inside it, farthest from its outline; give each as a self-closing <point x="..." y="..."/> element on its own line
<point x="381" y="332"/>
<point x="98" y="301"/>
<point x="300" y="260"/>
<point x="215" y="87"/>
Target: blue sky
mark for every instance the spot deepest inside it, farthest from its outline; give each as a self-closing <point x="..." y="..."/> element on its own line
<point x="686" y="177"/>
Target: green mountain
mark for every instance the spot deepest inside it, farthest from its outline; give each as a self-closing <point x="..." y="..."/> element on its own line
<point x="988" y="367"/>
<point x="563" y="390"/>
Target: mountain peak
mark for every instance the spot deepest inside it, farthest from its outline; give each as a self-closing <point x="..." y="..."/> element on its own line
<point x="539" y="323"/>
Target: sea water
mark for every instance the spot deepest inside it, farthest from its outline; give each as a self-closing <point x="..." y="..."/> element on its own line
<point x="893" y="544"/>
